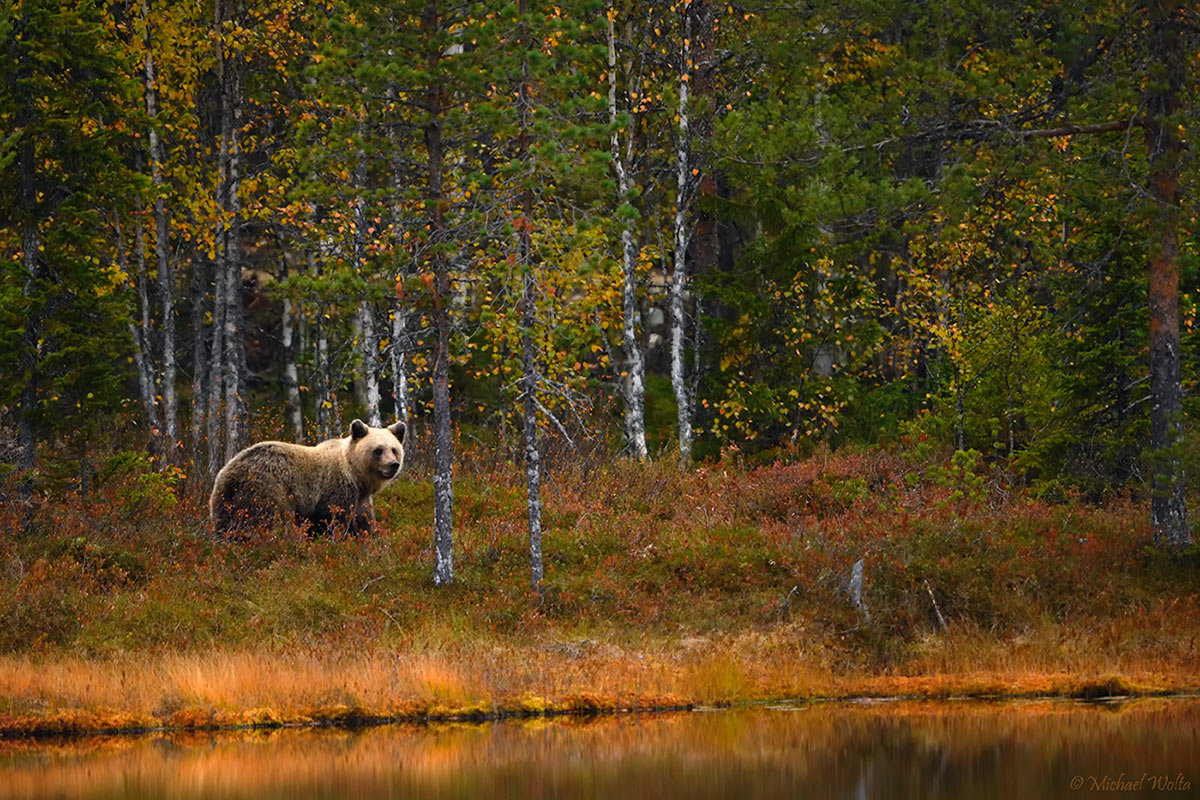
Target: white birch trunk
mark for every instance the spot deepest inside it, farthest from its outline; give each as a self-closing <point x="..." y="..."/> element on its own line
<point x="145" y="343"/>
<point x="368" y="337"/>
<point x="635" y="388"/>
<point x="400" y="360"/>
<point x="679" y="277"/>
<point x="529" y="374"/>
<point x="291" y="375"/>
<point x="234" y="343"/>
<point x="166" y="278"/>
<point x="138" y="334"/>
<point x="370" y="354"/>
<point x="443" y="468"/>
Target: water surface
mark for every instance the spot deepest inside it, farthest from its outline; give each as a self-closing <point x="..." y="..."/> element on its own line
<point x="1148" y="748"/>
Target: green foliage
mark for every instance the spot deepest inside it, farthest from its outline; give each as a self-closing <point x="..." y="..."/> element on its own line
<point x="903" y="248"/>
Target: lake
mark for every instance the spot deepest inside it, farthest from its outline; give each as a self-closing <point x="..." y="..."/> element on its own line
<point x="883" y="749"/>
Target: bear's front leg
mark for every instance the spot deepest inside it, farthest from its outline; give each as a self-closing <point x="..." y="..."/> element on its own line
<point x="364" y="519"/>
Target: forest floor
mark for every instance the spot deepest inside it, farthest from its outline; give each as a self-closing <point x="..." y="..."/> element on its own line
<point x="664" y="588"/>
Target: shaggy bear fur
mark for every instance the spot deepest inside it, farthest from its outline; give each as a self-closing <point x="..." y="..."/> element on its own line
<point x="327" y="487"/>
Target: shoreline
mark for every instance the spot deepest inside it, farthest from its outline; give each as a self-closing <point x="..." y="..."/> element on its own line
<point x="79" y="724"/>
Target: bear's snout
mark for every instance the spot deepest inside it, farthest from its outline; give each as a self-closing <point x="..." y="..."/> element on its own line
<point x="390" y="470"/>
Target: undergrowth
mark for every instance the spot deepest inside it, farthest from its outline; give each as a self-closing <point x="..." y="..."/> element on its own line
<point x="637" y="556"/>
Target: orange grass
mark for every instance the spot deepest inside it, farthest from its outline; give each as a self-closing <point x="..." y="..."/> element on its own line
<point x="228" y="688"/>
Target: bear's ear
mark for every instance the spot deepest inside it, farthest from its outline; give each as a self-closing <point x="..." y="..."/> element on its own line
<point x="398" y="431"/>
<point x="358" y="429"/>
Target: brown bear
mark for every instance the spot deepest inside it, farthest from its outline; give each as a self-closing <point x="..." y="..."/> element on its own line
<point x="327" y="487"/>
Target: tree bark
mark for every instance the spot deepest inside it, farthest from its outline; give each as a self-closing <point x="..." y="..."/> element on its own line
<point x="229" y="201"/>
<point x="443" y="469"/>
<point x="634" y="388"/>
<point x="529" y="373"/>
<point x="139" y="333"/>
<point x="27" y="440"/>
<point x="679" y="276"/>
<point x="399" y="355"/>
<point x="291" y="375"/>
<point x="200" y="361"/>
<point x="166" y="278"/>
<point x="216" y="365"/>
<point x="1165" y="153"/>
<point x="398" y="350"/>
<point x="368" y="336"/>
<point x="325" y="399"/>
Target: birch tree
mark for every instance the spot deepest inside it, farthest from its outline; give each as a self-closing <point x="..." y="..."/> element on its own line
<point x="685" y="186"/>
<point x="634" y="389"/>
<point x="162" y="246"/>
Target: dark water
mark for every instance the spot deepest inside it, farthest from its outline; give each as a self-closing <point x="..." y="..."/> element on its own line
<point x="1148" y="748"/>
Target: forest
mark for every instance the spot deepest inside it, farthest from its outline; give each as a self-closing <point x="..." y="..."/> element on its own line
<point x="692" y="264"/>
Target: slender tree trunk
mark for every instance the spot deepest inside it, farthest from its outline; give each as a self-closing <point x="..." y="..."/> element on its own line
<point x="400" y="359"/>
<point x="139" y="334"/>
<point x="166" y="278"/>
<point x="291" y="375"/>
<point x="27" y="440"/>
<point x="370" y="352"/>
<point x="529" y="373"/>
<point x="200" y="360"/>
<point x="400" y="341"/>
<point x="635" y="388"/>
<point x="216" y="364"/>
<point x="1165" y="154"/>
<point x="529" y="380"/>
<point x="679" y="277"/>
<point x="368" y="335"/>
<point x="321" y="378"/>
<point x="229" y="201"/>
<point x="443" y="470"/>
<point x="705" y="242"/>
<point x="146" y="339"/>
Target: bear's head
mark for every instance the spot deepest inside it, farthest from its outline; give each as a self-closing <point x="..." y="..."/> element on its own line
<point x="376" y="454"/>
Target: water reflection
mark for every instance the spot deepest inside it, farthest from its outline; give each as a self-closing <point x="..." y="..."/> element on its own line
<point x="880" y="750"/>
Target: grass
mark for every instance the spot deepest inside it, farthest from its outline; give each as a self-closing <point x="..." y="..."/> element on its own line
<point x="663" y="588"/>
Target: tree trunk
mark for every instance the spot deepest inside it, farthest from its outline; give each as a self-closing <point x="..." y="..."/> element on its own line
<point x="291" y="375"/>
<point x="399" y="355"/>
<point x="200" y="361"/>
<point x="139" y="334"/>
<point x="443" y="469"/>
<point x="635" y="388"/>
<point x="229" y="201"/>
<point x="529" y="373"/>
<point x="321" y="378"/>
<point x="30" y="363"/>
<point x="368" y="336"/>
<point x="216" y="364"/>
<point x="398" y="350"/>
<point x="679" y="276"/>
<point x="1165" y="153"/>
<point x="166" y="278"/>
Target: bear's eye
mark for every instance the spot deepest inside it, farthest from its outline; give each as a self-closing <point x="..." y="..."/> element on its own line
<point x="378" y="451"/>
